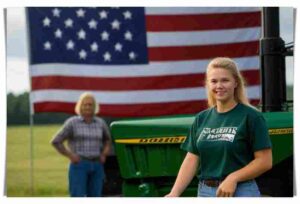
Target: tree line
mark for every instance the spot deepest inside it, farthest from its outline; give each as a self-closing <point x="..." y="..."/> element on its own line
<point x="18" y="112"/>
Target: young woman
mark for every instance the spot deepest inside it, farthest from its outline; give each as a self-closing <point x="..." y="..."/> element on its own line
<point x="229" y="140"/>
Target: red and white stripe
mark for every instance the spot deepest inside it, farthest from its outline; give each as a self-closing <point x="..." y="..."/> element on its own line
<point x="181" y="42"/>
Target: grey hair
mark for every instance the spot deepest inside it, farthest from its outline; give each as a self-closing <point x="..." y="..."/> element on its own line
<point x="80" y="100"/>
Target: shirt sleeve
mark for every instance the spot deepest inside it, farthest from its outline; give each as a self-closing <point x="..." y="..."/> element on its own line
<point x="189" y="144"/>
<point x="260" y="138"/>
<point x="64" y="133"/>
<point x="106" y="132"/>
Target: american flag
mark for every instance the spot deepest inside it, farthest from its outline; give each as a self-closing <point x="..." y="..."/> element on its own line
<point x="137" y="61"/>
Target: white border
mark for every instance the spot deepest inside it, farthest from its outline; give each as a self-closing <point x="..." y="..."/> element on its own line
<point x="140" y="3"/>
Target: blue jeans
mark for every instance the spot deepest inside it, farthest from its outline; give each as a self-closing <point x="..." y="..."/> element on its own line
<point x="243" y="189"/>
<point x="86" y="179"/>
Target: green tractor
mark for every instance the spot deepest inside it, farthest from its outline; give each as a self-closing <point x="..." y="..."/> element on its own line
<point x="148" y="152"/>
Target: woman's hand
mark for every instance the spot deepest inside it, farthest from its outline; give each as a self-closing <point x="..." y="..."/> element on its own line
<point x="74" y="158"/>
<point x="171" y="194"/>
<point x="102" y="158"/>
<point x="227" y="187"/>
<point x="262" y="162"/>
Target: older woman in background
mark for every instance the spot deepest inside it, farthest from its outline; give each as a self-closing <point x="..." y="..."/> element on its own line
<point x="89" y="143"/>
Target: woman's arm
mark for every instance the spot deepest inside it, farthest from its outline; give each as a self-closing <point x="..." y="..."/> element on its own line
<point x="106" y="151"/>
<point x="62" y="135"/>
<point x="107" y="143"/>
<point x="60" y="147"/>
<point x="185" y="175"/>
<point x="261" y="163"/>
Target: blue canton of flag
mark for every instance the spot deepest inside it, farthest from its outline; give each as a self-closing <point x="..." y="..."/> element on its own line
<point x="88" y="35"/>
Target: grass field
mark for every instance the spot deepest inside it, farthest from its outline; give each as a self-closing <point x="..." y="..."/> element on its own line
<point x="50" y="169"/>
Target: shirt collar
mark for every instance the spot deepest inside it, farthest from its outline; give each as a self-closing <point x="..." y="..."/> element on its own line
<point x="82" y="118"/>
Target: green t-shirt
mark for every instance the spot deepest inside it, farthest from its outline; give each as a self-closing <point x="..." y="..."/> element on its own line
<point x="226" y="142"/>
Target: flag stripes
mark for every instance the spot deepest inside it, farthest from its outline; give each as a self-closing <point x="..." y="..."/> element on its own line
<point x="180" y="43"/>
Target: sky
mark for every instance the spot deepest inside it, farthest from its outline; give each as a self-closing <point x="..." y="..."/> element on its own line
<point x="17" y="55"/>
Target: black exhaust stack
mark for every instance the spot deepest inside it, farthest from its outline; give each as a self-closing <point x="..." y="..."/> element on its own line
<point x="272" y="62"/>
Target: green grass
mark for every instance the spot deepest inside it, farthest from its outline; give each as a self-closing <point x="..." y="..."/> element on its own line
<point x="50" y="169"/>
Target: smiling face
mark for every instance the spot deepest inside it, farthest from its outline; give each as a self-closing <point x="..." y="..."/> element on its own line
<point x="221" y="85"/>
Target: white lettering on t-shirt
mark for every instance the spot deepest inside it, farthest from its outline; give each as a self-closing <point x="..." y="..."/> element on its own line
<point x="218" y="134"/>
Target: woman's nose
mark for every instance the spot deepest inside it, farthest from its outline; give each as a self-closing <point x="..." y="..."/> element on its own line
<point x="219" y="85"/>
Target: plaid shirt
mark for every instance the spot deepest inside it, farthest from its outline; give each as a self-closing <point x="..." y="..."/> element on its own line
<point x="84" y="139"/>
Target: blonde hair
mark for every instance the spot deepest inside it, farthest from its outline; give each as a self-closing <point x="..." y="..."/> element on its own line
<point x="228" y="64"/>
<point x="80" y="100"/>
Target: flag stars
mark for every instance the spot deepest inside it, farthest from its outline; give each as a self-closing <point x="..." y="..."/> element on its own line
<point x="70" y="45"/>
<point x="76" y="37"/>
<point x="93" y="24"/>
<point x="58" y="33"/>
<point x="47" y="45"/>
<point x="56" y="12"/>
<point x="80" y="13"/>
<point x="103" y="14"/>
<point x="69" y="23"/>
<point x="46" y="22"/>
<point x="115" y="25"/>
<point x="107" y="57"/>
<point x="128" y="36"/>
<point x="82" y="54"/>
<point x="94" y="47"/>
<point x="105" y="36"/>
<point x="127" y="15"/>
<point x="118" y="47"/>
<point x="81" y="34"/>
<point x="132" y="56"/>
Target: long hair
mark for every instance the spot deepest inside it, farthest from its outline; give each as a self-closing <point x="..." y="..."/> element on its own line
<point x="240" y="95"/>
<point x="80" y="100"/>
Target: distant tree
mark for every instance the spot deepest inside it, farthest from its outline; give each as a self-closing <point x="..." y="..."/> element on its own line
<point x="17" y="109"/>
<point x="18" y="112"/>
